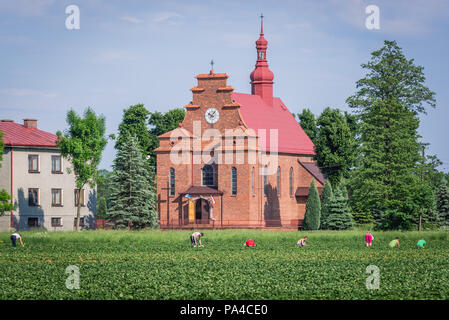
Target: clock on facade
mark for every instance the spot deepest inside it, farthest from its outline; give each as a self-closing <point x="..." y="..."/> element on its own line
<point x="212" y="115"/>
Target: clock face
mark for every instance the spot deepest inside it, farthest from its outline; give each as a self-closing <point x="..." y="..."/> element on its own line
<point x="212" y="115"/>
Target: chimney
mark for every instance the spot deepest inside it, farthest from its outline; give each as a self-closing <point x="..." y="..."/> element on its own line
<point x="30" y="123"/>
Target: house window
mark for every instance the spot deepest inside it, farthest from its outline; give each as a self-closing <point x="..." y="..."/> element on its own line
<point x="56" y="197"/>
<point x="208" y="175"/>
<point x="252" y="181"/>
<point x="172" y="181"/>
<point x="81" y="222"/>
<point x="291" y="182"/>
<point x="234" y="181"/>
<point x="77" y="197"/>
<point x="56" y="164"/>
<point x="33" y="222"/>
<point x="33" y="163"/>
<point x="278" y="181"/>
<point x="56" y="222"/>
<point x="33" y="197"/>
<point x="265" y="181"/>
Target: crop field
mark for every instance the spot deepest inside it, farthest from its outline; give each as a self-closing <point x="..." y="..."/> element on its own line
<point x="155" y="264"/>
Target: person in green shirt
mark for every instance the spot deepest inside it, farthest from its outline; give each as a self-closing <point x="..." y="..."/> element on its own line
<point x="394" y="243"/>
<point x="421" y="243"/>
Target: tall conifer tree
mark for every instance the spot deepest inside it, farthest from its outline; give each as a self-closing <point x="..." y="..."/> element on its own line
<point x="313" y="209"/>
<point x="387" y="103"/>
<point x="340" y="217"/>
<point x="133" y="189"/>
<point x="327" y="196"/>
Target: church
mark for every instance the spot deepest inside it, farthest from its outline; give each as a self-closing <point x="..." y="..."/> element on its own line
<point x="237" y="160"/>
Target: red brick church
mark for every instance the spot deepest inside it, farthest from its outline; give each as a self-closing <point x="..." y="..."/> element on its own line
<point x="237" y="159"/>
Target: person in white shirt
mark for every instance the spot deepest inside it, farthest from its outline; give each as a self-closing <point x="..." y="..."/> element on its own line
<point x="195" y="238"/>
<point x="14" y="238"/>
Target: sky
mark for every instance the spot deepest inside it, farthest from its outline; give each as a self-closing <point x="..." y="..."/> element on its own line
<point x="136" y="51"/>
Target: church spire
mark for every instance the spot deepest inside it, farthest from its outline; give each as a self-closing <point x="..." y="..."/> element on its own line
<point x="262" y="77"/>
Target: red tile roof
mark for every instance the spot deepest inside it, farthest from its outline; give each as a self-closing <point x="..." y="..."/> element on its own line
<point x="258" y="115"/>
<point x="314" y="171"/>
<point x="15" y="134"/>
<point x="304" y="191"/>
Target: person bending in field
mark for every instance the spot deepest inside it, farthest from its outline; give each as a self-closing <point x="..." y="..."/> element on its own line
<point x="14" y="238"/>
<point x="369" y="239"/>
<point x="394" y="243"/>
<point x="250" y="243"/>
<point x="421" y="243"/>
<point x="302" y="242"/>
<point x="195" y="238"/>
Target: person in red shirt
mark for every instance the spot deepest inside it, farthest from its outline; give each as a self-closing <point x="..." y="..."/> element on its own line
<point x="250" y="243"/>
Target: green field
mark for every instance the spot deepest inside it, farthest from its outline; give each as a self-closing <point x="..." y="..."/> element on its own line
<point x="163" y="265"/>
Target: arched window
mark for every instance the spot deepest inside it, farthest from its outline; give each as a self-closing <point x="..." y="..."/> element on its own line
<point x="172" y="181"/>
<point x="265" y="180"/>
<point x="208" y="175"/>
<point x="278" y="181"/>
<point x="234" y="181"/>
<point x="291" y="182"/>
<point x="252" y="181"/>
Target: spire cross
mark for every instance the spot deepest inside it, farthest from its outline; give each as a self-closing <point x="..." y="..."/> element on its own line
<point x="212" y="64"/>
<point x="261" y="23"/>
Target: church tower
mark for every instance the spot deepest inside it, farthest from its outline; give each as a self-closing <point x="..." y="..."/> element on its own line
<point x="262" y="77"/>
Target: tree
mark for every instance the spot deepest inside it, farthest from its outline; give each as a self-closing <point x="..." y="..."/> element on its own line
<point x="387" y="103"/>
<point x="5" y="202"/>
<point x="134" y="122"/>
<point x="335" y="147"/>
<point x="133" y="197"/>
<point x="442" y="203"/>
<point x="327" y="196"/>
<point x="308" y="123"/>
<point x="102" y="209"/>
<point x="82" y="144"/>
<point x="104" y="190"/>
<point x="162" y="123"/>
<point x="313" y="209"/>
<point x="340" y="217"/>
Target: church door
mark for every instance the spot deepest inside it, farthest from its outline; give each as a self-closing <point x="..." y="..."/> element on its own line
<point x="202" y="211"/>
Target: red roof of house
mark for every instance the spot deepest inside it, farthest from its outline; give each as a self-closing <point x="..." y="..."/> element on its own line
<point x="15" y="134"/>
<point x="258" y="115"/>
<point x="314" y="171"/>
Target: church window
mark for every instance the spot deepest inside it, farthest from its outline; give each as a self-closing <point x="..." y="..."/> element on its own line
<point x="291" y="182"/>
<point x="208" y="175"/>
<point x="172" y="181"/>
<point x="234" y="181"/>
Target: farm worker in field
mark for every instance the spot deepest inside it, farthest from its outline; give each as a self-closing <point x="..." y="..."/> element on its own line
<point x="195" y="238"/>
<point x="369" y="239"/>
<point x="394" y="243"/>
<point x="14" y="238"/>
<point x="421" y="243"/>
<point x="250" y="243"/>
<point x="302" y="242"/>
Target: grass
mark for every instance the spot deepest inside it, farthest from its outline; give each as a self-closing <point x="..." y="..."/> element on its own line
<point x="155" y="264"/>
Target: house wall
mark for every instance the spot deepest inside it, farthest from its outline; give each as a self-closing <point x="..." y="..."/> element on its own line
<point x="45" y="180"/>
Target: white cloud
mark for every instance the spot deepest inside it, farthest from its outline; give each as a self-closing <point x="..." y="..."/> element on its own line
<point x="131" y="19"/>
<point x="165" y="16"/>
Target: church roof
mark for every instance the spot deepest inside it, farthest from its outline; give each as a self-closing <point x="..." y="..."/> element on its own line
<point x="313" y="170"/>
<point x="16" y="134"/>
<point x="258" y="115"/>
